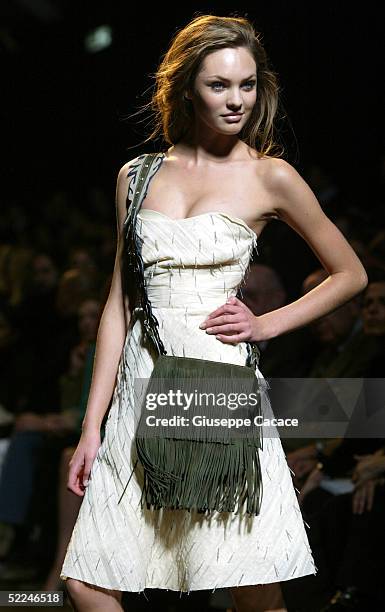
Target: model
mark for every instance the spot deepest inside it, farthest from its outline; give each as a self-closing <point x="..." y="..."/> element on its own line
<point x="213" y="191"/>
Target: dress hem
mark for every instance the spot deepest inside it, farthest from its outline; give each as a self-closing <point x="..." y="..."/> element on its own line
<point x="64" y="577"/>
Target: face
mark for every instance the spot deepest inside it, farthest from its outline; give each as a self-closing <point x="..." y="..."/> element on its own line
<point x="373" y="311"/>
<point x="88" y="317"/>
<point x="81" y="259"/>
<point x="226" y="83"/>
<point x="44" y="272"/>
<point x="263" y="291"/>
<point x="335" y="327"/>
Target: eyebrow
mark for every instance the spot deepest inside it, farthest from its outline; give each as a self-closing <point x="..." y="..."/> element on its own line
<point x="217" y="76"/>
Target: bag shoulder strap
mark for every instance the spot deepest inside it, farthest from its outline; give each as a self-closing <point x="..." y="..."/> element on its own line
<point x="141" y="172"/>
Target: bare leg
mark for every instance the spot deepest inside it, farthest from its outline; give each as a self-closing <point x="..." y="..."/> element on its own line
<point x="69" y="505"/>
<point x="258" y="598"/>
<point x="89" y="598"/>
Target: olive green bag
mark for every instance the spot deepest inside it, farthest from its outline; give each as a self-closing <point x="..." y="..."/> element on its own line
<point x="192" y="468"/>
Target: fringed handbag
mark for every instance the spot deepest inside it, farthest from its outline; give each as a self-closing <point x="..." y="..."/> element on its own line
<point x="201" y="468"/>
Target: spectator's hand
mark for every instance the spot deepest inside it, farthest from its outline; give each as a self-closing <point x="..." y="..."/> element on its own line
<point x="304" y="467"/>
<point x="302" y="461"/>
<point x="312" y="482"/>
<point x="368" y="467"/>
<point x="82" y="460"/>
<point x="29" y="421"/>
<point x="362" y="498"/>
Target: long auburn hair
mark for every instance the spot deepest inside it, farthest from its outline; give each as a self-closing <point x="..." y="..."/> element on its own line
<point x="173" y="115"/>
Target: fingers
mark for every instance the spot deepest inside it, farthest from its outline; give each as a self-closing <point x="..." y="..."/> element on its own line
<point x="233" y="305"/>
<point x="237" y="302"/>
<point x="359" y="498"/>
<point x="87" y="470"/>
<point x="213" y="324"/>
<point x="74" y="483"/>
<point x="81" y="463"/>
<point x="226" y="328"/>
<point x="315" y="477"/>
<point x="79" y="474"/>
<point x="226" y="325"/>
<point x="370" y="495"/>
<point x="233" y="339"/>
<point x="75" y="476"/>
<point x="299" y="467"/>
<point x="363" y="498"/>
<point x="213" y="317"/>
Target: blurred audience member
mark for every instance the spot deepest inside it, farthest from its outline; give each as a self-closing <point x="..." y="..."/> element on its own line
<point x="68" y="503"/>
<point x="285" y="355"/>
<point x="345" y="348"/>
<point x="39" y="436"/>
<point x="263" y="290"/>
<point x="373" y="315"/>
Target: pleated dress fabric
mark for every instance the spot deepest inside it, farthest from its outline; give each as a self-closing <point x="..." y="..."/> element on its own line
<point x="191" y="267"/>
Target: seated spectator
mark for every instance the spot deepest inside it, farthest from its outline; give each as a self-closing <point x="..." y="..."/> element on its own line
<point x="345" y="349"/>
<point x="348" y="530"/>
<point x="37" y="435"/>
<point x="338" y="455"/>
<point x="68" y="503"/>
<point x="33" y="383"/>
<point x="373" y="314"/>
<point x="348" y="527"/>
<point x="285" y="355"/>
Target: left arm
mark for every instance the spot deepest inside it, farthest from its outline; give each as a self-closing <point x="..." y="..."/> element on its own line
<point x="296" y="205"/>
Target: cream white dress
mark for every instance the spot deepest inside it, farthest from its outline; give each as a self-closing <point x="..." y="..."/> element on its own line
<point x="191" y="267"/>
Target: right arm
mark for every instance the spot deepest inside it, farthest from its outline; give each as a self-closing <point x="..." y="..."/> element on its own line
<point x="112" y="328"/>
<point x="109" y="345"/>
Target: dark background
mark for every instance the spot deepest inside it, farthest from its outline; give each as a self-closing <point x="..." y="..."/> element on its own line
<point x="62" y="107"/>
<point x="63" y="141"/>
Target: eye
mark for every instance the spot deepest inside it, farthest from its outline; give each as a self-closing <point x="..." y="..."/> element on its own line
<point x="216" y="85"/>
<point x="249" y="84"/>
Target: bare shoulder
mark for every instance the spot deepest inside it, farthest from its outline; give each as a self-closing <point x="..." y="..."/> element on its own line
<point x="125" y="175"/>
<point x="124" y="172"/>
<point x="278" y="174"/>
<point x="122" y="186"/>
<point x="289" y="192"/>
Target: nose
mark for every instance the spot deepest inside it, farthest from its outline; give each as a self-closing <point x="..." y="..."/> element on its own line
<point x="234" y="100"/>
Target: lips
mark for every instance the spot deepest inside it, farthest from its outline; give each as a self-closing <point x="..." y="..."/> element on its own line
<point x="233" y="115"/>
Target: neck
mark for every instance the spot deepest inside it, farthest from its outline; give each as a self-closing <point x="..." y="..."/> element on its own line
<point x="203" y="145"/>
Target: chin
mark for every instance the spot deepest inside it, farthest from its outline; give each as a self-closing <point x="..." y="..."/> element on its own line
<point x="230" y="128"/>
